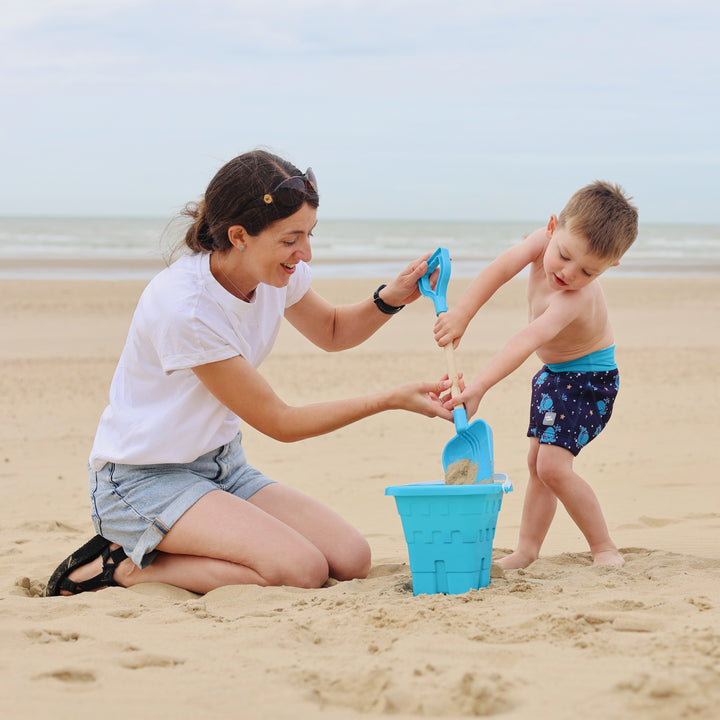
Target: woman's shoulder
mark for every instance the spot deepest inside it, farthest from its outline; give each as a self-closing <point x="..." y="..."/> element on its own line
<point x="184" y="273"/>
<point x="177" y="287"/>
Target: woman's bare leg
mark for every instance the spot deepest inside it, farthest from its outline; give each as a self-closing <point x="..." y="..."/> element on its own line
<point x="279" y="537"/>
<point x="345" y="549"/>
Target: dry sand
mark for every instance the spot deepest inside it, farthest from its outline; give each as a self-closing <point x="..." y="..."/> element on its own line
<point x="558" y="639"/>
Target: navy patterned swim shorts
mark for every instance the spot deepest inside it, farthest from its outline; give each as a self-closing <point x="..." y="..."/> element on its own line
<point x="569" y="409"/>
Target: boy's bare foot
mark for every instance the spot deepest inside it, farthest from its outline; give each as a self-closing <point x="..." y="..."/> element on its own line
<point x="516" y="560"/>
<point x="611" y="558"/>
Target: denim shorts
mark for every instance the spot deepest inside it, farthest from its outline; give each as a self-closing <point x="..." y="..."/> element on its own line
<point x="136" y="505"/>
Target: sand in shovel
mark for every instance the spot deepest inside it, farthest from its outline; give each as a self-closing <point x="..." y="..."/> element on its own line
<point x="461" y="472"/>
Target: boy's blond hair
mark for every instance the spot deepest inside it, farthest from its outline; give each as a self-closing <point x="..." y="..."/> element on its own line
<point x="603" y="215"/>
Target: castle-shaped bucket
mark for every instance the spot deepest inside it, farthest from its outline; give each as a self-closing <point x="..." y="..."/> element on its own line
<point x="449" y="530"/>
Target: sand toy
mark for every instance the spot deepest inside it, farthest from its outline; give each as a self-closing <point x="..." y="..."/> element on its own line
<point x="468" y="457"/>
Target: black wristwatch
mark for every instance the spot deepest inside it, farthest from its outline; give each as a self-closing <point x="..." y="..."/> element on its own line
<point x="382" y="306"/>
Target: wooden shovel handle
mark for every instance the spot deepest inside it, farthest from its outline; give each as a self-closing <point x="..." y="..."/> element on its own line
<point x="452" y="372"/>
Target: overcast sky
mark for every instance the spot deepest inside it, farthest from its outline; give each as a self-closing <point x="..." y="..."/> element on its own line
<point x="404" y="108"/>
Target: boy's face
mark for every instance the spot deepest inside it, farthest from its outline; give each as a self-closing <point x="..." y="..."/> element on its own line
<point x="568" y="263"/>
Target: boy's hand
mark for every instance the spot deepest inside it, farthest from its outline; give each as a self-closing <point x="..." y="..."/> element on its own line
<point x="449" y="327"/>
<point x="470" y="400"/>
<point x="469" y="397"/>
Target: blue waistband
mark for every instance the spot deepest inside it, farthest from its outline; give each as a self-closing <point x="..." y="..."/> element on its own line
<point x="598" y="361"/>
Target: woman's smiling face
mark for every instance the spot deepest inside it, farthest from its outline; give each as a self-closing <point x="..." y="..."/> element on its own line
<point x="270" y="256"/>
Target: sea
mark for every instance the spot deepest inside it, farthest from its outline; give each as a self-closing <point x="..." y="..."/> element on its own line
<point x="136" y="248"/>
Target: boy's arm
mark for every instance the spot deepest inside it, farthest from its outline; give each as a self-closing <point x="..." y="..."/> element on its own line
<point x="450" y="326"/>
<point x="560" y="313"/>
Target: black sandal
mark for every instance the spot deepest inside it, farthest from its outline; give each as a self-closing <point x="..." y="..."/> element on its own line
<point x="97" y="547"/>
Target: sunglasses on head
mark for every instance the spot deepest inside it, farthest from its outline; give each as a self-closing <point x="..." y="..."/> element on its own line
<point x="293" y="190"/>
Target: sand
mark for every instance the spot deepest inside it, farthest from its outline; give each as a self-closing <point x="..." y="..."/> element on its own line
<point x="555" y="640"/>
<point x="462" y="472"/>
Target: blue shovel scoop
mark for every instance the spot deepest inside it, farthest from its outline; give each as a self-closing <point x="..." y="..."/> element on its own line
<point x="472" y="442"/>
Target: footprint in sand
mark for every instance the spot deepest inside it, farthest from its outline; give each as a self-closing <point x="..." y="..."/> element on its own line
<point x="50" y="636"/>
<point x="68" y="676"/>
<point x="647" y="521"/>
<point x="147" y="660"/>
<point x="125" y="613"/>
<point x="423" y="692"/>
<point x="49" y="526"/>
<point x="657" y="522"/>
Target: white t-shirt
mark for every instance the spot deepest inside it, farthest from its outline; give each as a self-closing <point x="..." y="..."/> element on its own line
<point x="159" y="411"/>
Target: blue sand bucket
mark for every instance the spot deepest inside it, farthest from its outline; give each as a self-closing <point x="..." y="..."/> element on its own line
<point x="449" y="530"/>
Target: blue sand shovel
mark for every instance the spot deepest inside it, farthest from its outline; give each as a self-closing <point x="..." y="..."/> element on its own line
<point x="472" y="442"/>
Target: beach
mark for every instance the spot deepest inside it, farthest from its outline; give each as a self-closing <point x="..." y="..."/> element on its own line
<point x="557" y="639"/>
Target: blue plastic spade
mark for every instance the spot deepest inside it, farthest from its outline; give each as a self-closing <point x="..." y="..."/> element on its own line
<point x="472" y="442"/>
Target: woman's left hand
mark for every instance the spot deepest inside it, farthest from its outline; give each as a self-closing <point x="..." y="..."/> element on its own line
<point x="404" y="288"/>
<point x="423" y="398"/>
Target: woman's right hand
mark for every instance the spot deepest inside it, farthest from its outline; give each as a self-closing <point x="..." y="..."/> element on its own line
<point x="404" y="289"/>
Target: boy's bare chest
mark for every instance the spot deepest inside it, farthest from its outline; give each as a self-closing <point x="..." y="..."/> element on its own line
<point x="588" y="329"/>
<point x="582" y="307"/>
<point x="539" y="293"/>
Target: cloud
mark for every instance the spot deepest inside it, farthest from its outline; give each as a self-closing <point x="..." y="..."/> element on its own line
<point x="468" y="94"/>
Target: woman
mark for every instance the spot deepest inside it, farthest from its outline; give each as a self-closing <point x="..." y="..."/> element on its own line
<point x="173" y="498"/>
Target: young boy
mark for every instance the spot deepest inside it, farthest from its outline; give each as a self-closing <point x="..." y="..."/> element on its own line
<point x="569" y="330"/>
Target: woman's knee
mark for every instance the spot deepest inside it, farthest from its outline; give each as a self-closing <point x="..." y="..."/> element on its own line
<point x="354" y="561"/>
<point x="306" y="569"/>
